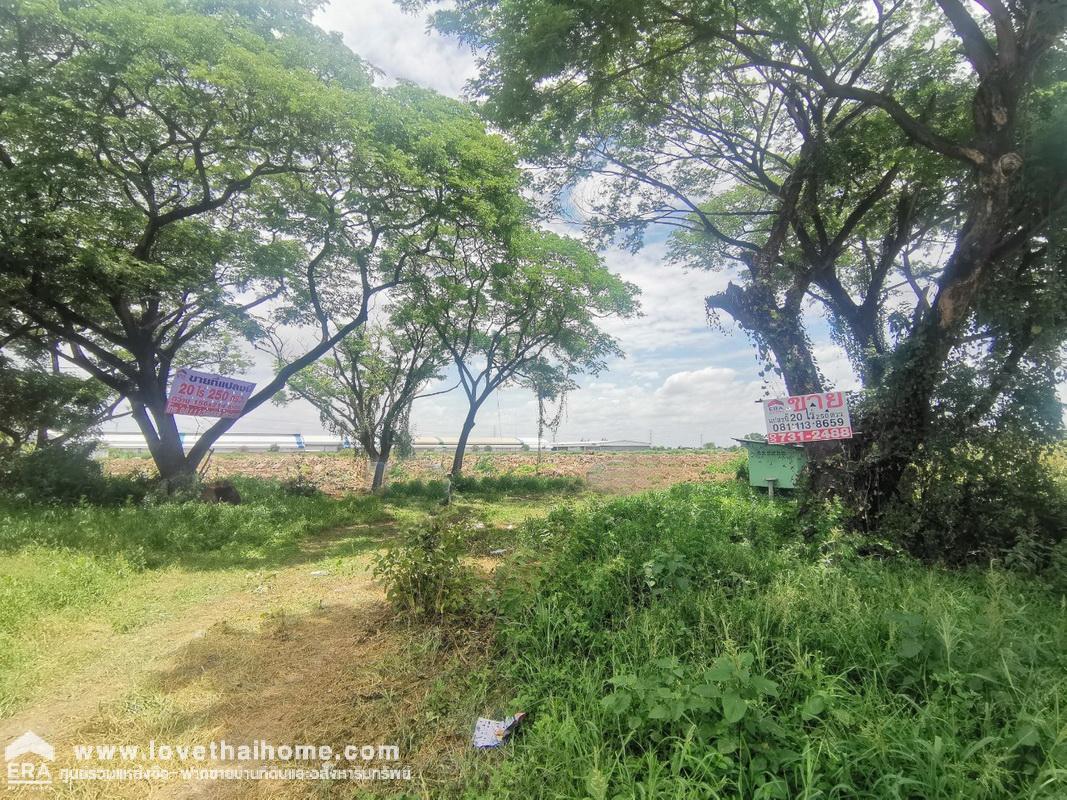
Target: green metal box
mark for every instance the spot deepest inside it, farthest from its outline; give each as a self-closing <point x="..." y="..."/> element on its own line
<point x="780" y="463"/>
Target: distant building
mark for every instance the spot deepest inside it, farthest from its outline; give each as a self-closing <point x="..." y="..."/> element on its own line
<point x="481" y="442"/>
<point x="293" y="442"/>
<point x="132" y="441"/>
<point x="605" y="445"/>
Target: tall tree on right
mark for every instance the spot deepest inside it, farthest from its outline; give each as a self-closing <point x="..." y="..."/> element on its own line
<point x="821" y="153"/>
<point x="519" y="312"/>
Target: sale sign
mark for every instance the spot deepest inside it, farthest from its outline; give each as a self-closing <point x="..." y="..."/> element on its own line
<point x="807" y="418"/>
<point x="204" y="394"/>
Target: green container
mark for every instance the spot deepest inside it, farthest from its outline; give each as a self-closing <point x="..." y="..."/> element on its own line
<point x="774" y="465"/>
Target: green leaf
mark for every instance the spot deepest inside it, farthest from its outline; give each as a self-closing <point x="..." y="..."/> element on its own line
<point x="722" y="669"/>
<point x="734" y="706"/>
<point x="909" y="648"/>
<point x="764" y="686"/>
<point x="814" y="706"/>
<point x="616" y="702"/>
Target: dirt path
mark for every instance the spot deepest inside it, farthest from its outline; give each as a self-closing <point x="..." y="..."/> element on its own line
<point x="307" y="653"/>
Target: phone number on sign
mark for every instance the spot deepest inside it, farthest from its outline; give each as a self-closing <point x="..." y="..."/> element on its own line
<point x="809" y="436"/>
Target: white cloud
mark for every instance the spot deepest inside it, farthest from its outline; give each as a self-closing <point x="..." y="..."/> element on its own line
<point x="835" y="366"/>
<point x="672" y="301"/>
<point x="399" y="44"/>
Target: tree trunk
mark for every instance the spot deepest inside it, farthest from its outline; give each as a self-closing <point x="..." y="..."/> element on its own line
<point x="775" y="329"/>
<point x="792" y="351"/>
<point x="901" y="424"/>
<point x="164" y="444"/>
<point x="379" y="473"/>
<point x="378" y="481"/>
<point x="461" y="445"/>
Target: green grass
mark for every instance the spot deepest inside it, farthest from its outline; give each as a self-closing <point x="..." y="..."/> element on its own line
<point x="683" y="644"/>
<point x="690" y="644"/>
<point x="493" y="487"/>
<point x="66" y="570"/>
<point x="265" y="528"/>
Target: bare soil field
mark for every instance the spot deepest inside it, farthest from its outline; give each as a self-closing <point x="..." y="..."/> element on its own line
<point x="341" y="473"/>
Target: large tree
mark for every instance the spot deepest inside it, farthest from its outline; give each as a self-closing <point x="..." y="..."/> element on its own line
<point x="180" y="175"/>
<point x="519" y="313"/>
<point x="829" y="150"/>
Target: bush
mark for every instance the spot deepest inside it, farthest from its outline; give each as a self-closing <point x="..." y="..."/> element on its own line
<point x="489" y="486"/>
<point x="54" y="474"/>
<point x="990" y="498"/>
<point x="690" y="643"/>
<point x="300" y="486"/>
<point x="424" y="576"/>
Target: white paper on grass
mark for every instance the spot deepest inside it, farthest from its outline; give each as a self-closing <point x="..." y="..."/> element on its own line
<point x="493" y="732"/>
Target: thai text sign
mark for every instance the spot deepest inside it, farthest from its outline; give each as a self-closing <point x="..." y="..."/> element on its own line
<point x="807" y="418"/>
<point x="204" y="394"/>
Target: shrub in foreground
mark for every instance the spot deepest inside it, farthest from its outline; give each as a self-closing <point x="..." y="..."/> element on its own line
<point x="690" y="644"/>
<point x="423" y="574"/>
<point x="56" y="474"/>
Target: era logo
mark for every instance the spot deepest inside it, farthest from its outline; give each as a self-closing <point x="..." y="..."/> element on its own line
<point x="22" y="771"/>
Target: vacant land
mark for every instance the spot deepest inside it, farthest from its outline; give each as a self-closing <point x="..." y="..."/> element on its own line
<point x="340" y="473"/>
<point x="692" y="642"/>
<point x="187" y="623"/>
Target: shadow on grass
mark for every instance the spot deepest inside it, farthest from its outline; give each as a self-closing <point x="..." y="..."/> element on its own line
<point x="337" y="675"/>
<point x="270" y="528"/>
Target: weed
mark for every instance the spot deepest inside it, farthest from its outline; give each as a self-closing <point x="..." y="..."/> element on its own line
<point x="698" y="643"/>
<point x="423" y="575"/>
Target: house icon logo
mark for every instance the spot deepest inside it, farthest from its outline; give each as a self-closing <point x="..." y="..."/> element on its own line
<point x="25" y="758"/>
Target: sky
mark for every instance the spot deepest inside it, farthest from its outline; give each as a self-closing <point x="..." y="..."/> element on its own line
<point x="681" y="383"/>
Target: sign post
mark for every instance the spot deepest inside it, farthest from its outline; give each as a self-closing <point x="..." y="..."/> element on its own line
<point x="818" y="417"/>
<point x="204" y="394"/>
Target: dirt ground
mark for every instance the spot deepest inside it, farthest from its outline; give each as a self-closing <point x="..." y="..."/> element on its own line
<point x="308" y="653"/>
<point x="340" y="473"/>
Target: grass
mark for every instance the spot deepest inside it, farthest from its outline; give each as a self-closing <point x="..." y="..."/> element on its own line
<point x="73" y="578"/>
<point x="690" y="644"/>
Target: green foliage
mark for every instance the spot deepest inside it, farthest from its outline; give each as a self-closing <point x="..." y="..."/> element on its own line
<point x="266" y="526"/>
<point x="300" y="485"/>
<point x="691" y="644"/>
<point x="180" y="177"/>
<point x="34" y="399"/>
<point x="70" y="474"/>
<point x="986" y="499"/>
<point x="489" y="486"/>
<point x="424" y="576"/>
<point x="526" y="311"/>
<point x="364" y="389"/>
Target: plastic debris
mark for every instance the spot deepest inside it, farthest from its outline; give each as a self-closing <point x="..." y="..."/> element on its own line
<point x="492" y="732"/>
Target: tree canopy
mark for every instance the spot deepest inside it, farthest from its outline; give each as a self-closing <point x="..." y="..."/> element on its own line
<point x="890" y="164"/>
<point x="524" y="314"/>
<point x="364" y="388"/>
<point x="178" y="176"/>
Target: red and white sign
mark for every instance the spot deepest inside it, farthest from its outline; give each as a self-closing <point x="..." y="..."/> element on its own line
<point x="204" y="394"/>
<point x="807" y="418"/>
